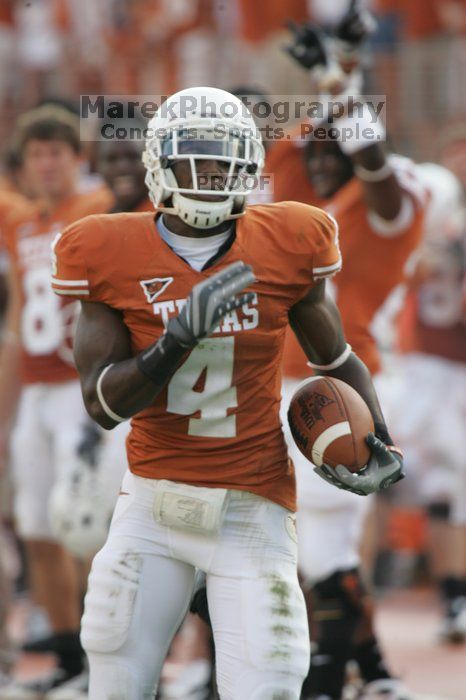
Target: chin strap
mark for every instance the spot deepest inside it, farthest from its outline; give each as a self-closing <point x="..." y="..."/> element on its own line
<point x="202" y="214"/>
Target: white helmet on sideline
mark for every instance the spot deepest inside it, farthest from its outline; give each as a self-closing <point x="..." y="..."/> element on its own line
<point x="81" y="507"/>
<point x="202" y="123"/>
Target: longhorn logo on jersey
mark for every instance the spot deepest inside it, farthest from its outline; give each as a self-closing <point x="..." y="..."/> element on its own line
<point x="155" y="287"/>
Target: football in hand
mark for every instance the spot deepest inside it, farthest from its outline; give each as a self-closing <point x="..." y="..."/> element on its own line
<point x="329" y="422"/>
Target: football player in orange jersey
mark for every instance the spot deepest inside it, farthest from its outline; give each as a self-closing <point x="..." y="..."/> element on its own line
<point x="81" y="505"/>
<point x="432" y="344"/>
<point x="182" y="325"/>
<point x="9" y="344"/>
<point x="50" y="411"/>
<point x="82" y="501"/>
<point x="379" y="204"/>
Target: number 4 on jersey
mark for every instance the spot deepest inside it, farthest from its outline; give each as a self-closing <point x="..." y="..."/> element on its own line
<point x="213" y="360"/>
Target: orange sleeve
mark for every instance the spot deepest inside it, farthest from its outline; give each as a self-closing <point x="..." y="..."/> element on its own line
<point x="70" y="276"/>
<point x="327" y="258"/>
<point x="305" y="247"/>
<point x="314" y="237"/>
<point x="6" y="240"/>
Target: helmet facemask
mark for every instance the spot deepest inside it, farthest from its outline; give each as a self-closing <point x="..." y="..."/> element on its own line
<point x="239" y="152"/>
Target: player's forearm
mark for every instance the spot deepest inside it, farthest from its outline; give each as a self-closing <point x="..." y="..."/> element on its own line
<point x="121" y="390"/>
<point x="383" y="195"/>
<point x="10" y="387"/>
<point x="355" y="373"/>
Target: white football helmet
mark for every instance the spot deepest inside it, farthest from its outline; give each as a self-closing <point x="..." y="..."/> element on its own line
<point x="80" y="508"/>
<point x="203" y="123"/>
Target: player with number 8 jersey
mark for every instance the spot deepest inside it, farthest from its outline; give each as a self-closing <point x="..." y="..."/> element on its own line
<point x="48" y="423"/>
<point x="212" y="426"/>
<point x="47" y="322"/>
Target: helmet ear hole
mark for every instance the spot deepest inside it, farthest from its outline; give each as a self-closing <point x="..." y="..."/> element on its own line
<point x="239" y="204"/>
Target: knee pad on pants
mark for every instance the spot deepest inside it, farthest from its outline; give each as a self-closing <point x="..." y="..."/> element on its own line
<point x="110" y="600"/>
<point x="277" y="635"/>
<point x="270" y="619"/>
<point x="278" y="689"/>
<point x="117" y="681"/>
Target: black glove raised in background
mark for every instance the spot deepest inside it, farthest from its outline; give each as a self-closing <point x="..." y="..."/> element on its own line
<point x="308" y="47"/>
<point x="355" y="26"/>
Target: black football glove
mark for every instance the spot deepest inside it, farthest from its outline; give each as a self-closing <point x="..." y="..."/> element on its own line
<point x="308" y="47"/>
<point x="208" y="303"/>
<point x="356" y="25"/>
<point x="385" y="467"/>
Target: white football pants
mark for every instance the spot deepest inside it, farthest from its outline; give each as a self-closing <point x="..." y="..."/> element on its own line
<point x="141" y="584"/>
<point x="43" y="448"/>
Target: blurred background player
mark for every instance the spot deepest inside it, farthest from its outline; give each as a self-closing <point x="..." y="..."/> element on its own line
<point x="82" y="501"/>
<point x="432" y="346"/>
<point x="83" y="497"/>
<point x="50" y="411"/>
<point x="379" y="206"/>
<point x="9" y="344"/>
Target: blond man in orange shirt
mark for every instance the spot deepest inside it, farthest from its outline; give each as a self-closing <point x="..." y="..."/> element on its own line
<point x="37" y="365"/>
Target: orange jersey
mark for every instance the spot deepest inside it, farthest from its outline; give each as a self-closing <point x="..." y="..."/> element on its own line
<point x="47" y="323"/>
<point x="257" y="21"/>
<point x="144" y="205"/>
<point x="374" y="263"/>
<point x="285" y="161"/>
<point x="217" y="423"/>
<point x="10" y="201"/>
<point x="433" y="319"/>
<point x="7" y="12"/>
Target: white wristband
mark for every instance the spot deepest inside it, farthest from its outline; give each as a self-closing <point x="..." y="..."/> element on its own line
<point x="111" y="414"/>
<point x="359" y="130"/>
<point x="337" y="362"/>
<point x="373" y="175"/>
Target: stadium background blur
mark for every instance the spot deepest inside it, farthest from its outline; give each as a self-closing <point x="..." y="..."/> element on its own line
<point x="65" y="48"/>
<point x="417" y="58"/>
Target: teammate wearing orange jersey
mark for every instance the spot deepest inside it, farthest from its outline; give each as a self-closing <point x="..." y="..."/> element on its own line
<point x="9" y="202"/>
<point x="82" y="501"/>
<point x="374" y="268"/>
<point x="8" y="343"/>
<point x="432" y="343"/>
<point x="50" y="411"/>
<point x="179" y="332"/>
<point x="379" y="205"/>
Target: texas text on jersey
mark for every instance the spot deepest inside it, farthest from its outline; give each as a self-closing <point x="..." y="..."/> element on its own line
<point x="225" y="426"/>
